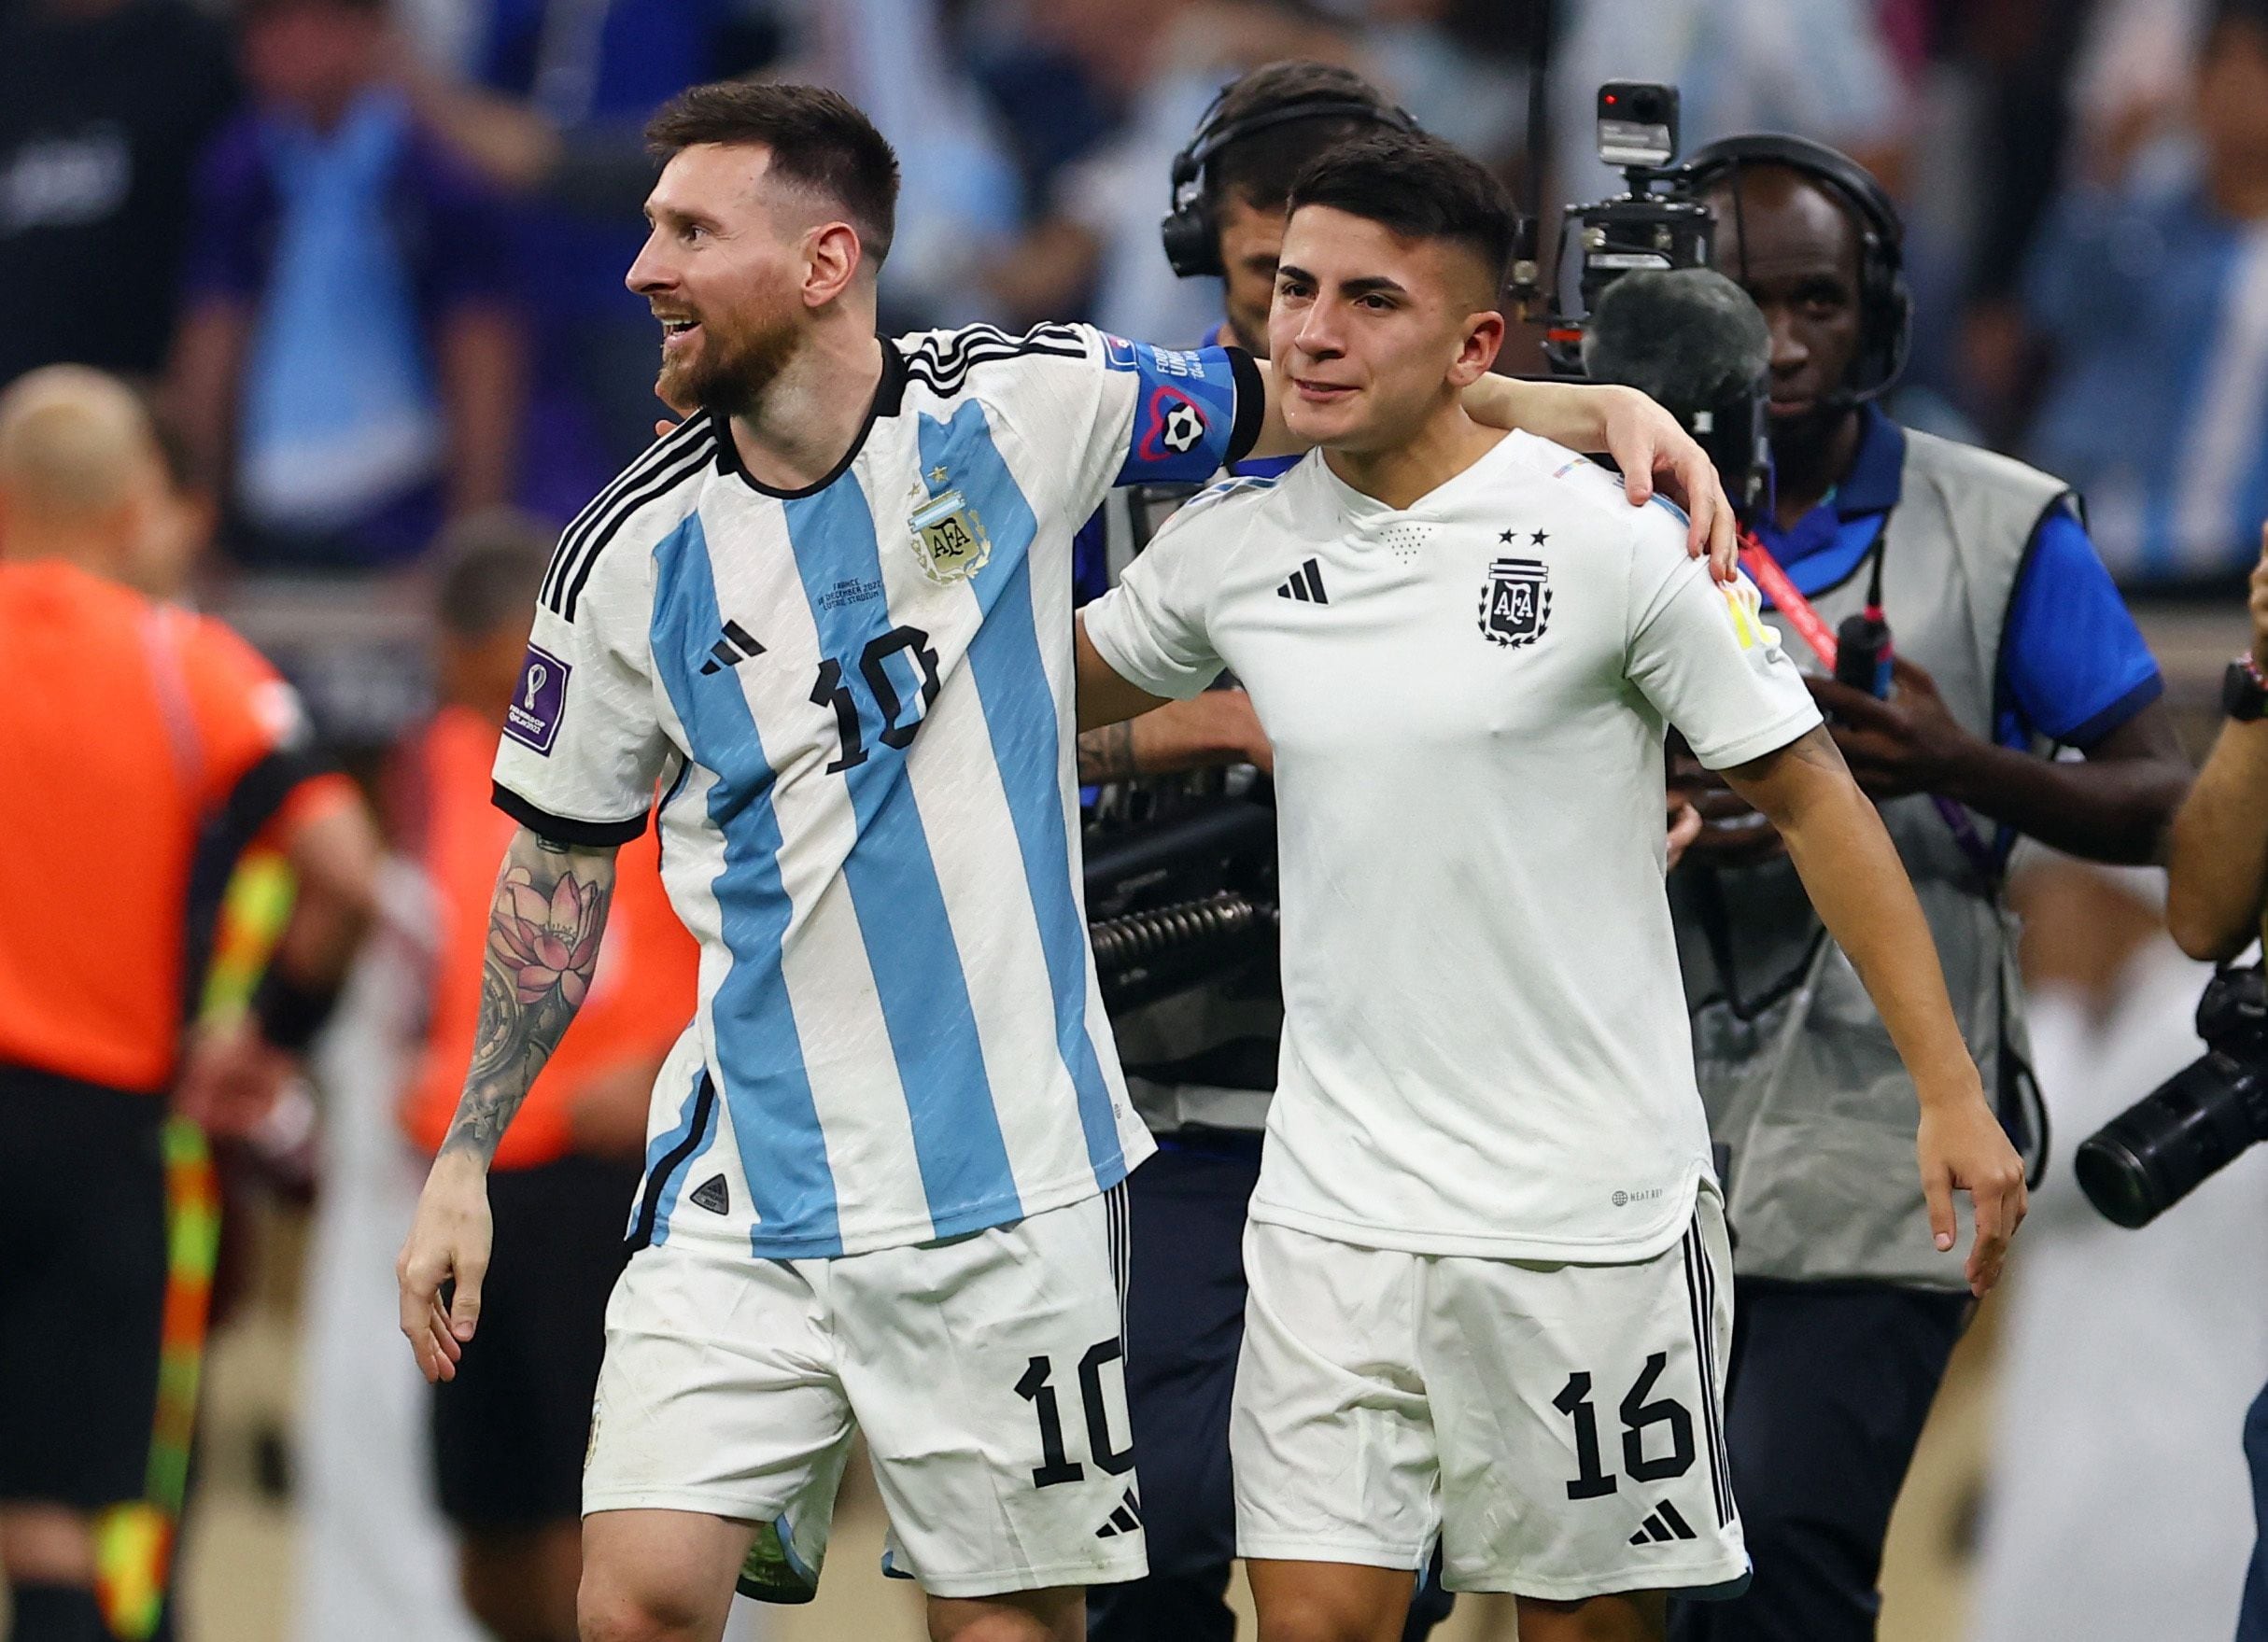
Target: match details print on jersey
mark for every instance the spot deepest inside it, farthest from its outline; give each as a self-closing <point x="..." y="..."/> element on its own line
<point x="855" y="699"/>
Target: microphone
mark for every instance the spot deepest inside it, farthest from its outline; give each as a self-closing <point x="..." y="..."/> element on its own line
<point x="1693" y="341"/>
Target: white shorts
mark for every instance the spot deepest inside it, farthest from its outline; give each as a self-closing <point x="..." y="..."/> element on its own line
<point x="986" y="1371"/>
<point x="1558" y="1426"/>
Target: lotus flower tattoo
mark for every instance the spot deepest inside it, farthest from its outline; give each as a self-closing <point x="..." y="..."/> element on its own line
<point x="546" y="945"/>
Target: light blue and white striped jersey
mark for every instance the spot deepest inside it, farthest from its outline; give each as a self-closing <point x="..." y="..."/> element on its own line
<point x="857" y="701"/>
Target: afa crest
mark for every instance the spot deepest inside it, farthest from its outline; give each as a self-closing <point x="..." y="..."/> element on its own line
<point x="1515" y="602"/>
<point x="949" y="538"/>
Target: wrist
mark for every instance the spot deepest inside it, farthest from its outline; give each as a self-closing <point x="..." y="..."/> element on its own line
<point x="290" y="1013"/>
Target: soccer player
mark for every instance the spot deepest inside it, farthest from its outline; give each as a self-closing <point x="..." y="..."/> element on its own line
<point x="1490" y="1285"/>
<point x="830" y="616"/>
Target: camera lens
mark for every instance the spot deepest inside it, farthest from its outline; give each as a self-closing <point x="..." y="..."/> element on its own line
<point x="1645" y="107"/>
<point x="2154" y="1153"/>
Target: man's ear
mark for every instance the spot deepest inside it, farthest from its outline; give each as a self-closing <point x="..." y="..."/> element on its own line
<point x="1484" y="339"/>
<point x="835" y="256"/>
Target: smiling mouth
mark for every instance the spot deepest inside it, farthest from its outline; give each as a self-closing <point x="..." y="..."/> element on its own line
<point x="1321" y="390"/>
<point x="675" y="329"/>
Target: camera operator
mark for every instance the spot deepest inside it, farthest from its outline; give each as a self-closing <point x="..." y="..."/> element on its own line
<point x="2217" y="897"/>
<point x="1201" y="1065"/>
<point x="2010" y="642"/>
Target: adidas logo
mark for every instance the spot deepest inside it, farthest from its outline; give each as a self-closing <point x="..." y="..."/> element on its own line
<point x="714" y="1196"/>
<point x="1664" y="1525"/>
<point x="730" y="652"/>
<point x="1126" y="1518"/>
<point x="1304" y="584"/>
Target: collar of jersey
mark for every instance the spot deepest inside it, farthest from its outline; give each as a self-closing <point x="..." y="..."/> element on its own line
<point x="1361" y="506"/>
<point x="889" y="393"/>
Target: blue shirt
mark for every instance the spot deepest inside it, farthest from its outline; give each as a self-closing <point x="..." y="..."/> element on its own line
<point x="2073" y="667"/>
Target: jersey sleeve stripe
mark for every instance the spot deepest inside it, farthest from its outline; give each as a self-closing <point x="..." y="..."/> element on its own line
<point x="689" y="467"/>
<point x="662" y="451"/>
<point x="565" y="829"/>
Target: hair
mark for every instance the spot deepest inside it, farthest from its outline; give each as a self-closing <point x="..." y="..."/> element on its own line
<point x="1260" y="169"/>
<point x="819" y="141"/>
<point x="71" y="437"/>
<point x="492" y="563"/>
<point x="1415" y="186"/>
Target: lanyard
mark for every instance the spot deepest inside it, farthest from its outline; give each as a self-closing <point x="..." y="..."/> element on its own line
<point x="1764" y="569"/>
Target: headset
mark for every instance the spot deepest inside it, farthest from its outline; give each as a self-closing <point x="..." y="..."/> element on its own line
<point x="1191" y="238"/>
<point x="1885" y="303"/>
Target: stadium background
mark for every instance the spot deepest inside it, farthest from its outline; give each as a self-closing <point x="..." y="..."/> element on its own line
<point x="2048" y="153"/>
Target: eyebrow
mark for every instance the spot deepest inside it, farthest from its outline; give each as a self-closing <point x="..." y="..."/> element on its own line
<point x="1353" y="288"/>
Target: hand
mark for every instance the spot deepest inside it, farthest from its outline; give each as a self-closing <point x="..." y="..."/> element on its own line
<point x="1962" y="1147"/>
<point x="1649" y="447"/>
<point x="232" y="1078"/>
<point x="1909" y="744"/>
<point x="449" y="1239"/>
<point x="2259" y="606"/>
<point x="1685" y="827"/>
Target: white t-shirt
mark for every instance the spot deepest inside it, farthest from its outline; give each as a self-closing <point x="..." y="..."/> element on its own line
<point x="1485" y="1049"/>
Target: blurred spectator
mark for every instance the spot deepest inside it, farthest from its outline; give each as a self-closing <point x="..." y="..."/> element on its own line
<point x="2119" y="1506"/>
<point x="348" y="355"/>
<point x="511" y="1428"/>
<point x="1164" y="63"/>
<point x="555" y="111"/>
<point x="146" y="747"/>
<point x="2153" y="297"/>
<point x="104" y="105"/>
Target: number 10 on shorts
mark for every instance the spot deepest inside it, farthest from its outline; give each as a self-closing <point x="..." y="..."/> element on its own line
<point x="1037" y="1387"/>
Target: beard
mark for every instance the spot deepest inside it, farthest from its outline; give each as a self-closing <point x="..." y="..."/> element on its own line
<point x="732" y="368"/>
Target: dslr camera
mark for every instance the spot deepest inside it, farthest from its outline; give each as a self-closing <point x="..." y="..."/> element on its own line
<point x="2162" y="1148"/>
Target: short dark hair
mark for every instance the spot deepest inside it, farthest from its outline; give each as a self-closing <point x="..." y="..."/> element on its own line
<point x="818" y="139"/>
<point x="1260" y="169"/>
<point x="491" y="564"/>
<point x="1415" y="186"/>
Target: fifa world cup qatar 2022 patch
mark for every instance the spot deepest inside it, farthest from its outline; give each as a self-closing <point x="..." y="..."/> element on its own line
<point x="533" y="720"/>
<point x="1515" y="602"/>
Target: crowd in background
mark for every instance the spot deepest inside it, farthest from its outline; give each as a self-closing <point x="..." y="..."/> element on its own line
<point x="367" y="256"/>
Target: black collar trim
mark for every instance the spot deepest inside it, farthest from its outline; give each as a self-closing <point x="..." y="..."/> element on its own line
<point x="888" y="395"/>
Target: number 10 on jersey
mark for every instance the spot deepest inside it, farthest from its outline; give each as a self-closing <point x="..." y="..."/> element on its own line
<point x="905" y="650"/>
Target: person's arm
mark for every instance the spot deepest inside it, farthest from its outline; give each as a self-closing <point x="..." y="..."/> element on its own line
<point x="2113" y="806"/>
<point x="202" y="381"/>
<point x="1854" y="878"/>
<point x="1215" y="728"/>
<point x="1645" y="441"/>
<point x="1106" y="695"/>
<point x="482" y="376"/>
<point x="544" y="926"/>
<point x="2216" y="855"/>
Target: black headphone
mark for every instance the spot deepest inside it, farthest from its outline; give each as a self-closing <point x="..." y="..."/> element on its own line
<point x="1192" y="239"/>
<point x="1885" y="303"/>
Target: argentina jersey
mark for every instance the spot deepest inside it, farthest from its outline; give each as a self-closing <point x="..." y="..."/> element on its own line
<point x="855" y="701"/>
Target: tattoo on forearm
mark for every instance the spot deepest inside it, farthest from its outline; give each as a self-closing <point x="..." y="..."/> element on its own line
<point x="544" y="931"/>
<point x="1107" y="754"/>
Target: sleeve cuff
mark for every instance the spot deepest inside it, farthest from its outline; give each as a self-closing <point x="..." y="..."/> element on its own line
<point x="1251" y="406"/>
<point x="564" y="829"/>
<point x="2092" y="729"/>
<point x="1784" y="732"/>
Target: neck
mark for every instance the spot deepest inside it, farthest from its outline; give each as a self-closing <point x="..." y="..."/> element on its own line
<point x="812" y="409"/>
<point x="1443" y="445"/>
<point x="90" y="548"/>
<point x="1805" y="469"/>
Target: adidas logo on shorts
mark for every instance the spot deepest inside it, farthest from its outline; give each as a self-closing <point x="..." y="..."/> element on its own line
<point x="1661" y="1527"/>
<point x="1126" y="1518"/>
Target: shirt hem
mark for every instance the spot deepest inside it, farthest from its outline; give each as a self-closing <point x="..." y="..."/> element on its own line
<point x="985" y="1216"/>
<point x="1634" y="1249"/>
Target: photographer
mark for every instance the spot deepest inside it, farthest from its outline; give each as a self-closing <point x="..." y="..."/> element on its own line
<point x="2216" y="895"/>
<point x="2010" y="642"/>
